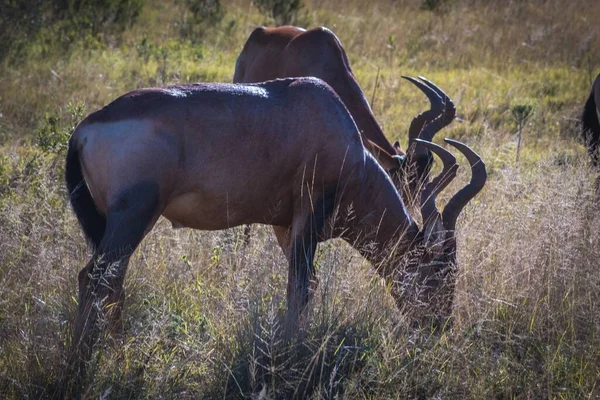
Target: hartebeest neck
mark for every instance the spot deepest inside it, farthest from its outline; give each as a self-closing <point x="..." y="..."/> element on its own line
<point x="376" y="221"/>
<point x="354" y="98"/>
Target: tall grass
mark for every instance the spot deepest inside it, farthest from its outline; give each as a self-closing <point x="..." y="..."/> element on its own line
<point x="203" y="314"/>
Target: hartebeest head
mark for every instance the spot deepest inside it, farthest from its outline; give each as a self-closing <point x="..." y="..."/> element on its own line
<point x="423" y="278"/>
<point x="427" y="282"/>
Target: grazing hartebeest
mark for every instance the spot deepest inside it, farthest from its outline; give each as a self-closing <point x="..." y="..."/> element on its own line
<point x="590" y="124"/>
<point x="289" y="51"/>
<point x="285" y="153"/>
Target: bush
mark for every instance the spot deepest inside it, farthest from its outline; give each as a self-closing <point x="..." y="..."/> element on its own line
<point x="440" y="6"/>
<point x="53" y="137"/>
<point x="284" y="12"/>
<point x="98" y="16"/>
<point x="19" y="20"/>
<point x="63" y="21"/>
<point x="204" y="14"/>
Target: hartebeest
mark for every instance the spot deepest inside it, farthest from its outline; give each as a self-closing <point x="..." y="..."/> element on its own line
<point x="290" y="51"/>
<point x="590" y="124"/>
<point x="285" y="153"/>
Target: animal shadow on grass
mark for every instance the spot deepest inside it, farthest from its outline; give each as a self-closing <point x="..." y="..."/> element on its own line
<point x="318" y="362"/>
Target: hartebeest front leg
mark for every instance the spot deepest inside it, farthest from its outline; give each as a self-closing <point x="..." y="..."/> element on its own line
<point x="308" y="225"/>
<point x="302" y="249"/>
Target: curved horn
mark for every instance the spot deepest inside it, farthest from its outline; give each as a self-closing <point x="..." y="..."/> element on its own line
<point x="463" y="196"/>
<point x="433" y="93"/>
<point x="446" y="116"/>
<point x="424" y="126"/>
<point x="439" y="183"/>
<point x="440" y="92"/>
<point x="436" y="108"/>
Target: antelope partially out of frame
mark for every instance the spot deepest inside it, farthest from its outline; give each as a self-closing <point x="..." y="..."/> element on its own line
<point x="590" y="124"/>
<point x="285" y="153"/>
<point x="289" y="51"/>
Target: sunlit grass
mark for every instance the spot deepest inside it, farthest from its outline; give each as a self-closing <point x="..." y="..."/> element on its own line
<point x="203" y="314"/>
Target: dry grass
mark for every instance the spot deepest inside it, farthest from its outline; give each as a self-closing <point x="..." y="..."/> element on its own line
<point x="203" y="315"/>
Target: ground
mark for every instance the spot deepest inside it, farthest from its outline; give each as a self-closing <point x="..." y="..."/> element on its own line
<point x="203" y="314"/>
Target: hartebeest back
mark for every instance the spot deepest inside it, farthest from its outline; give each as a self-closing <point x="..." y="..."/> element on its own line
<point x="285" y="153"/>
<point x="590" y="124"/>
<point x="289" y="51"/>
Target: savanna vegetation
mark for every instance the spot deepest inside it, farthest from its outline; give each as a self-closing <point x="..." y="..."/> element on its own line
<point x="203" y="313"/>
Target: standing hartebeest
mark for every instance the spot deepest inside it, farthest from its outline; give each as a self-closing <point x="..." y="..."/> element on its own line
<point x="285" y="153"/>
<point x="590" y="124"/>
<point x="289" y="51"/>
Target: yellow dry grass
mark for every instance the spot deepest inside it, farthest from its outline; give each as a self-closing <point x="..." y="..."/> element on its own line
<point x="203" y="314"/>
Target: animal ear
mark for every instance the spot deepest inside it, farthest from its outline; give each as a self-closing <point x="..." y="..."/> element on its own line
<point x="400" y="158"/>
<point x="388" y="161"/>
<point x="398" y="148"/>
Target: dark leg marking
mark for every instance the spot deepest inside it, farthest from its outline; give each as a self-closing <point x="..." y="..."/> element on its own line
<point x="101" y="281"/>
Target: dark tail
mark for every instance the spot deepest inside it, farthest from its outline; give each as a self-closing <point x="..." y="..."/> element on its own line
<point x="590" y="129"/>
<point x="92" y="222"/>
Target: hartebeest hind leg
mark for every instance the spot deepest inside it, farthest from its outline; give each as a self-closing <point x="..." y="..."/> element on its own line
<point x="101" y="292"/>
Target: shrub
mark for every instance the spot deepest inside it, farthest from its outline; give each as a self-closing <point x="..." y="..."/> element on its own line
<point x="284" y="12"/>
<point x="63" y="21"/>
<point x="98" y="16"/>
<point x="52" y="137"/>
<point x="204" y="14"/>
<point x="439" y="6"/>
